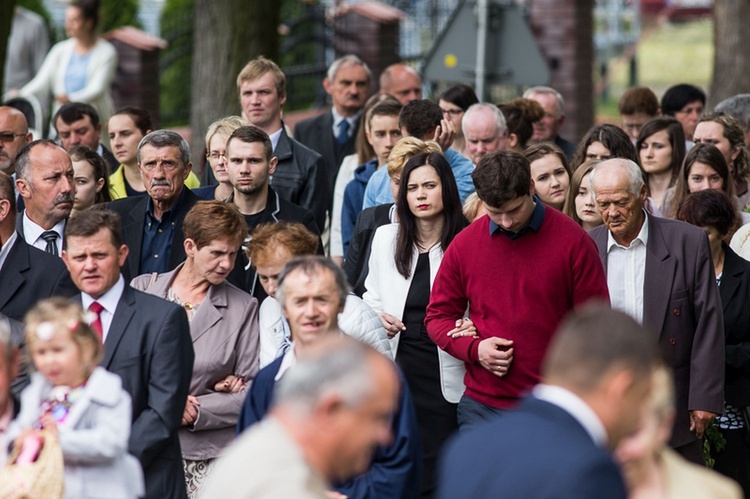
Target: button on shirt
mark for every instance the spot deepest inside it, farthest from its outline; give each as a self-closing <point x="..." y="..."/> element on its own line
<point x="626" y="268"/>
<point x="535" y="222"/>
<point x="33" y="234"/>
<point x="157" y="238"/>
<point x="109" y="301"/>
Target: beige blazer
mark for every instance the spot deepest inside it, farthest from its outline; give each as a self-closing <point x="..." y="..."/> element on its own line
<point x="689" y="481"/>
<point x="225" y="339"/>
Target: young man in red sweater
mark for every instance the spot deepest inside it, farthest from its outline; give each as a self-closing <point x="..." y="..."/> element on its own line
<point x="520" y="270"/>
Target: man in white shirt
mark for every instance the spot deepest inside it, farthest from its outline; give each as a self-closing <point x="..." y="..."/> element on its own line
<point x="45" y="181"/>
<point x="597" y="376"/>
<point x="660" y="272"/>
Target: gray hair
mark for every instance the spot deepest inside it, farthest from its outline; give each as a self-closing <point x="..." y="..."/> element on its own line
<point x="342" y="368"/>
<point x="166" y="138"/>
<point x="347" y="61"/>
<point x="631" y="169"/>
<point x="738" y="107"/>
<point x="475" y="110"/>
<point x="312" y="265"/>
<point x="550" y="91"/>
<point x="23" y="159"/>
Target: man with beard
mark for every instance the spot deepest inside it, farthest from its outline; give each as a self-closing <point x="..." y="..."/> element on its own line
<point x="250" y="163"/>
<point x="152" y="225"/>
<point x="44" y="179"/>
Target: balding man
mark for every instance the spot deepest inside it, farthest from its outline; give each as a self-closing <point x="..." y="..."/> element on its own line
<point x="14" y="134"/>
<point x="44" y="178"/>
<point x="660" y="272"/>
<point x="548" y="128"/>
<point x="402" y="82"/>
<point x="484" y="130"/>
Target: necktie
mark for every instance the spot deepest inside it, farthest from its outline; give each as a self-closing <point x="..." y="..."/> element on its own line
<point x="51" y="237"/>
<point x="97" y="308"/>
<point x="343" y="135"/>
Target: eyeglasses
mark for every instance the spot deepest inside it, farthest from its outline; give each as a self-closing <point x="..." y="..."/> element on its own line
<point x="216" y="156"/>
<point x="453" y="112"/>
<point x="9" y="137"/>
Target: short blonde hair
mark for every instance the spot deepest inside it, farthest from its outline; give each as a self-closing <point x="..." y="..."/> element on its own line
<point x="257" y="68"/>
<point x="224" y="127"/>
<point x="62" y="315"/>
<point x="471" y="206"/>
<point x="405" y="149"/>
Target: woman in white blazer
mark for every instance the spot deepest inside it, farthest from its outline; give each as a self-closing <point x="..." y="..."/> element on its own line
<point x="403" y="263"/>
<point x="81" y="68"/>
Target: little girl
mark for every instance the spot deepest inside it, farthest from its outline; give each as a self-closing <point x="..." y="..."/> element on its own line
<point x="82" y="404"/>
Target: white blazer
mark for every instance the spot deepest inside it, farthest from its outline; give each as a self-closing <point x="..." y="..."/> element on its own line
<point x="50" y="80"/>
<point x="93" y="438"/>
<point x="387" y="291"/>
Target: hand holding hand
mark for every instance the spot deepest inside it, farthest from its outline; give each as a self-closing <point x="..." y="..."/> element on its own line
<point x="464" y="327"/>
<point x="496" y="355"/>
<point x="230" y="384"/>
<point x="62" y="99"/>
<point x="392" y="325"/>
<point x="190" y="416"/>
<point x="699" y="421"/>
<point x="49" y="423"/>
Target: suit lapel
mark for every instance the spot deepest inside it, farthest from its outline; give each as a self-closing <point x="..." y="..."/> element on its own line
<point x="732" y="276"/>
<point x="658" y="278"/>
<point x="123" y="316"/>
<point x="325" y="132"/>
<point x="208" y="313"/>
<point x="12" y="277"/>
<point x="600" y="236"/>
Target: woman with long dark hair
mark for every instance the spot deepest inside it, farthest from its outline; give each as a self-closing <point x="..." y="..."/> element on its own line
<point x="603" y="142"/>
<point x="403" y="263"/>
<point x="661" y="149"/>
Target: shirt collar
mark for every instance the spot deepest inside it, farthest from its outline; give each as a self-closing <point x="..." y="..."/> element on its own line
<point x="576" y="407"/>
<point x="535" y="222"/>
<point x="6" y="248"/>
<point x="32" y="231"/>
<point x="288" y="361"/>
<point x="275" y="138"/>
<point x="641" y="238"/>
<point x="338" y="118"/>
<point x="167" y="215"/>
<point x="108" y="300"/>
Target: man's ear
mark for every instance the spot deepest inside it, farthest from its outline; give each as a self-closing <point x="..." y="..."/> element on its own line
<point x="23" y="187"/>
<point x="327" y="85"/>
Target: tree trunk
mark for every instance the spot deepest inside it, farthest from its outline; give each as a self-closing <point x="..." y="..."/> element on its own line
<point x="227" y="34"/>
<point x="731" y="58"/>
<point x="7" y="8"/>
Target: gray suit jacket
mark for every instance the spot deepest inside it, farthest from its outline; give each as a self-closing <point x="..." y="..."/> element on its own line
<point x="148" y="345"/>
<point x="681" y="305"/>
<point x="225" y="336"/>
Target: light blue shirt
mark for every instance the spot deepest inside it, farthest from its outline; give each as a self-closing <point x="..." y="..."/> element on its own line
<point x="76" y="74"/>
<point x="378" y="189"/>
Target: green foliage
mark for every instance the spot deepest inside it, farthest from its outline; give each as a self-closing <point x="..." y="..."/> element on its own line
<point x="713" y="442"/>
<point x="176" y="61"/>
<point x="117" y="13"/>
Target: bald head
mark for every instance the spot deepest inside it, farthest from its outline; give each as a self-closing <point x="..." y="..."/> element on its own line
<point x="14" y="134"/>
<point x="402" y="82"/>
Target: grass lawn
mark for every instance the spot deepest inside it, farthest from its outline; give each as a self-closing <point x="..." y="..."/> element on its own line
<point x="667" y="54"/>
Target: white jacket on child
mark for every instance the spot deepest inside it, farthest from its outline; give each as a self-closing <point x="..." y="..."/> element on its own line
<point x="93" y="437"/>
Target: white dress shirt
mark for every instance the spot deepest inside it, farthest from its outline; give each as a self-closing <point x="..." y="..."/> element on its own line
<point x="626" y="268"/>
<point x="573" y="405"/>
<point x="33" y="233"/>
<point x="6" y="248"/>
<point x="338" y="118"/>
<point x="109" y="301"/>
<point x="275" y="138"/>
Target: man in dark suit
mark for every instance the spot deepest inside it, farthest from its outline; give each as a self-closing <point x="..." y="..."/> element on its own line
<point x="152" y="225"/>
<point x="299" y="176"/>
<point x="597" y="376"/>
<point x="146" y="342"/>
<point x="77" y="124"/>
<point x="661" y="273"/>
<point x="250" y="163"/>
<point x="27" y="274"/>
<point x="333" y="133"/>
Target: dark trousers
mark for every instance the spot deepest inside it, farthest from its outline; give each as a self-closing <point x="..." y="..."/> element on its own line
<point x="470" y="412"/>
<point x="734" y="460"/>
<point x="693" y="452"/>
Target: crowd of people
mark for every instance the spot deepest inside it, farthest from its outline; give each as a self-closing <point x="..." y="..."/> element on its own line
<point x="397" y="298"/>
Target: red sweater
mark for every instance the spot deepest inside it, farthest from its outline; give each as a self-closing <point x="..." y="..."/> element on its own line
<point x="519" y="290"/>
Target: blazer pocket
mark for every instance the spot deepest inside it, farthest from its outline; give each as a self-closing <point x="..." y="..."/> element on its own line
<point x="679" y="295"/>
